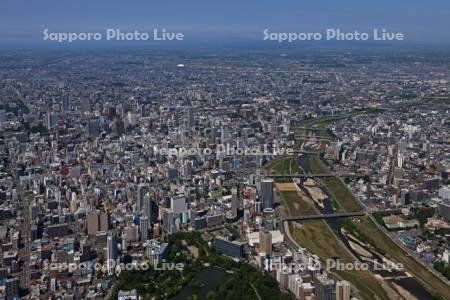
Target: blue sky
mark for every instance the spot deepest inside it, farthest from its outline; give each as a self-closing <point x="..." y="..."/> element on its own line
<point x="419" y="20"/>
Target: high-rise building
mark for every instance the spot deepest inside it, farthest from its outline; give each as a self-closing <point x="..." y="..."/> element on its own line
<point x="400" y="160"/>
<point x="266" y="195"/>
<point x="148" y="206"/>
<point x="214" y="133"/>
<point x="324" y="287"/>
<point x="404" y="195"/>
<point x="143" y="190"/>
<point x="65" y="102"/>
<point x="229" y="248"/>
<point x="51" y="120"/>
<point x="168" y="219"/>
<point x="234" y="201"/>
<point x="190" y="121"/>
<point x="111" y="252"/>
<point x="103" y="220"/>
<point x="118" y="126"/>
<point x="93" y="128"/>
<point x="444" y="193"/>
<point x="92" y="223"/>
<point x="144" y="225"/>
<point x="96" y="222"/>
<point x="85" y="247"/>
<point x="444" y="210"/>
<point x="224" y="134"/>
<point x="111" y="113"/>
<point x="343" y="290"/>
<point x="265" y="242"/>
<point x="34" y="212"/>
<point x="416" y="195"/>
<point x="156" y="252"/>
<point x="12" y="287"/>
<point x="178" y="204"/>
<point x="85" y="105"/>
<point x="188" y="168"/>
<point x="2" y="116"/>
<point x="132" y="233"/>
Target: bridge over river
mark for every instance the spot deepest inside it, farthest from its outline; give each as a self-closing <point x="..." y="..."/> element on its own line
<point x="311" y="175"/>
<point x="338" y="215"/>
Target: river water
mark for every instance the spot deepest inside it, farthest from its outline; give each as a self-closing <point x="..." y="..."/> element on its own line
<point x="410" y="284"/>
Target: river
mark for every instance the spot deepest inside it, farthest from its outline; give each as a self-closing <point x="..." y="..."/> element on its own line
<point x="410" y="284"/>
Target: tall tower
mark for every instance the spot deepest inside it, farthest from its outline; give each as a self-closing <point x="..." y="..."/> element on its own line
<point x="190" y="120"/>
<point x="224" y="134"/>
<point x="343" y="290"/>
<point x="52" y="118"/>
<point x="148" y="206"/>
<point x="85" y="105"/>
<point x="143" y="190"/>
<point x="65" y="102"/>
<point x="93" y="225"/>
<point x="324" y="287"/>
<point x="111" y="252"/>
<point x="2" y="116"/>
<point x="234" y="201"/>
<point x="266" y="195"/>
<point x="143" y="228"/>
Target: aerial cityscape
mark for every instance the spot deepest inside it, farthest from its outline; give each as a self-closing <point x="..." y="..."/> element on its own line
<point x="233" y="170"/>
<point x="283" y="163"/>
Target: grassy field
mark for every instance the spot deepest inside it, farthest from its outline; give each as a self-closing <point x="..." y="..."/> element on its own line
<point x="318" y="238"/>
<point x="367" y="285"/>
<point x="341" y="195"/>
<point x="313" y="164"/>
<point x="319" y="125"/>
<point x="366" y="226"/>
<point x="348" y="203"/>
<point x="279" y="166"/>
<point x="295" y="168"/>
<point x="297" y="205"/>
<point x="318" y="131"/>
<point x="285" y="165"/>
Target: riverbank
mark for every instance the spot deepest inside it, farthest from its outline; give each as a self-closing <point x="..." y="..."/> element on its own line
<point x="347" y="202"/>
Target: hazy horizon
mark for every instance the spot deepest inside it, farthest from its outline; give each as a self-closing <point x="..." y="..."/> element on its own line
<point x="422" y="22"/>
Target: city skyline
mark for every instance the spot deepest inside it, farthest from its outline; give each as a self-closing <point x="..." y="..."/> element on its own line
<point x="189" y="150"/>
